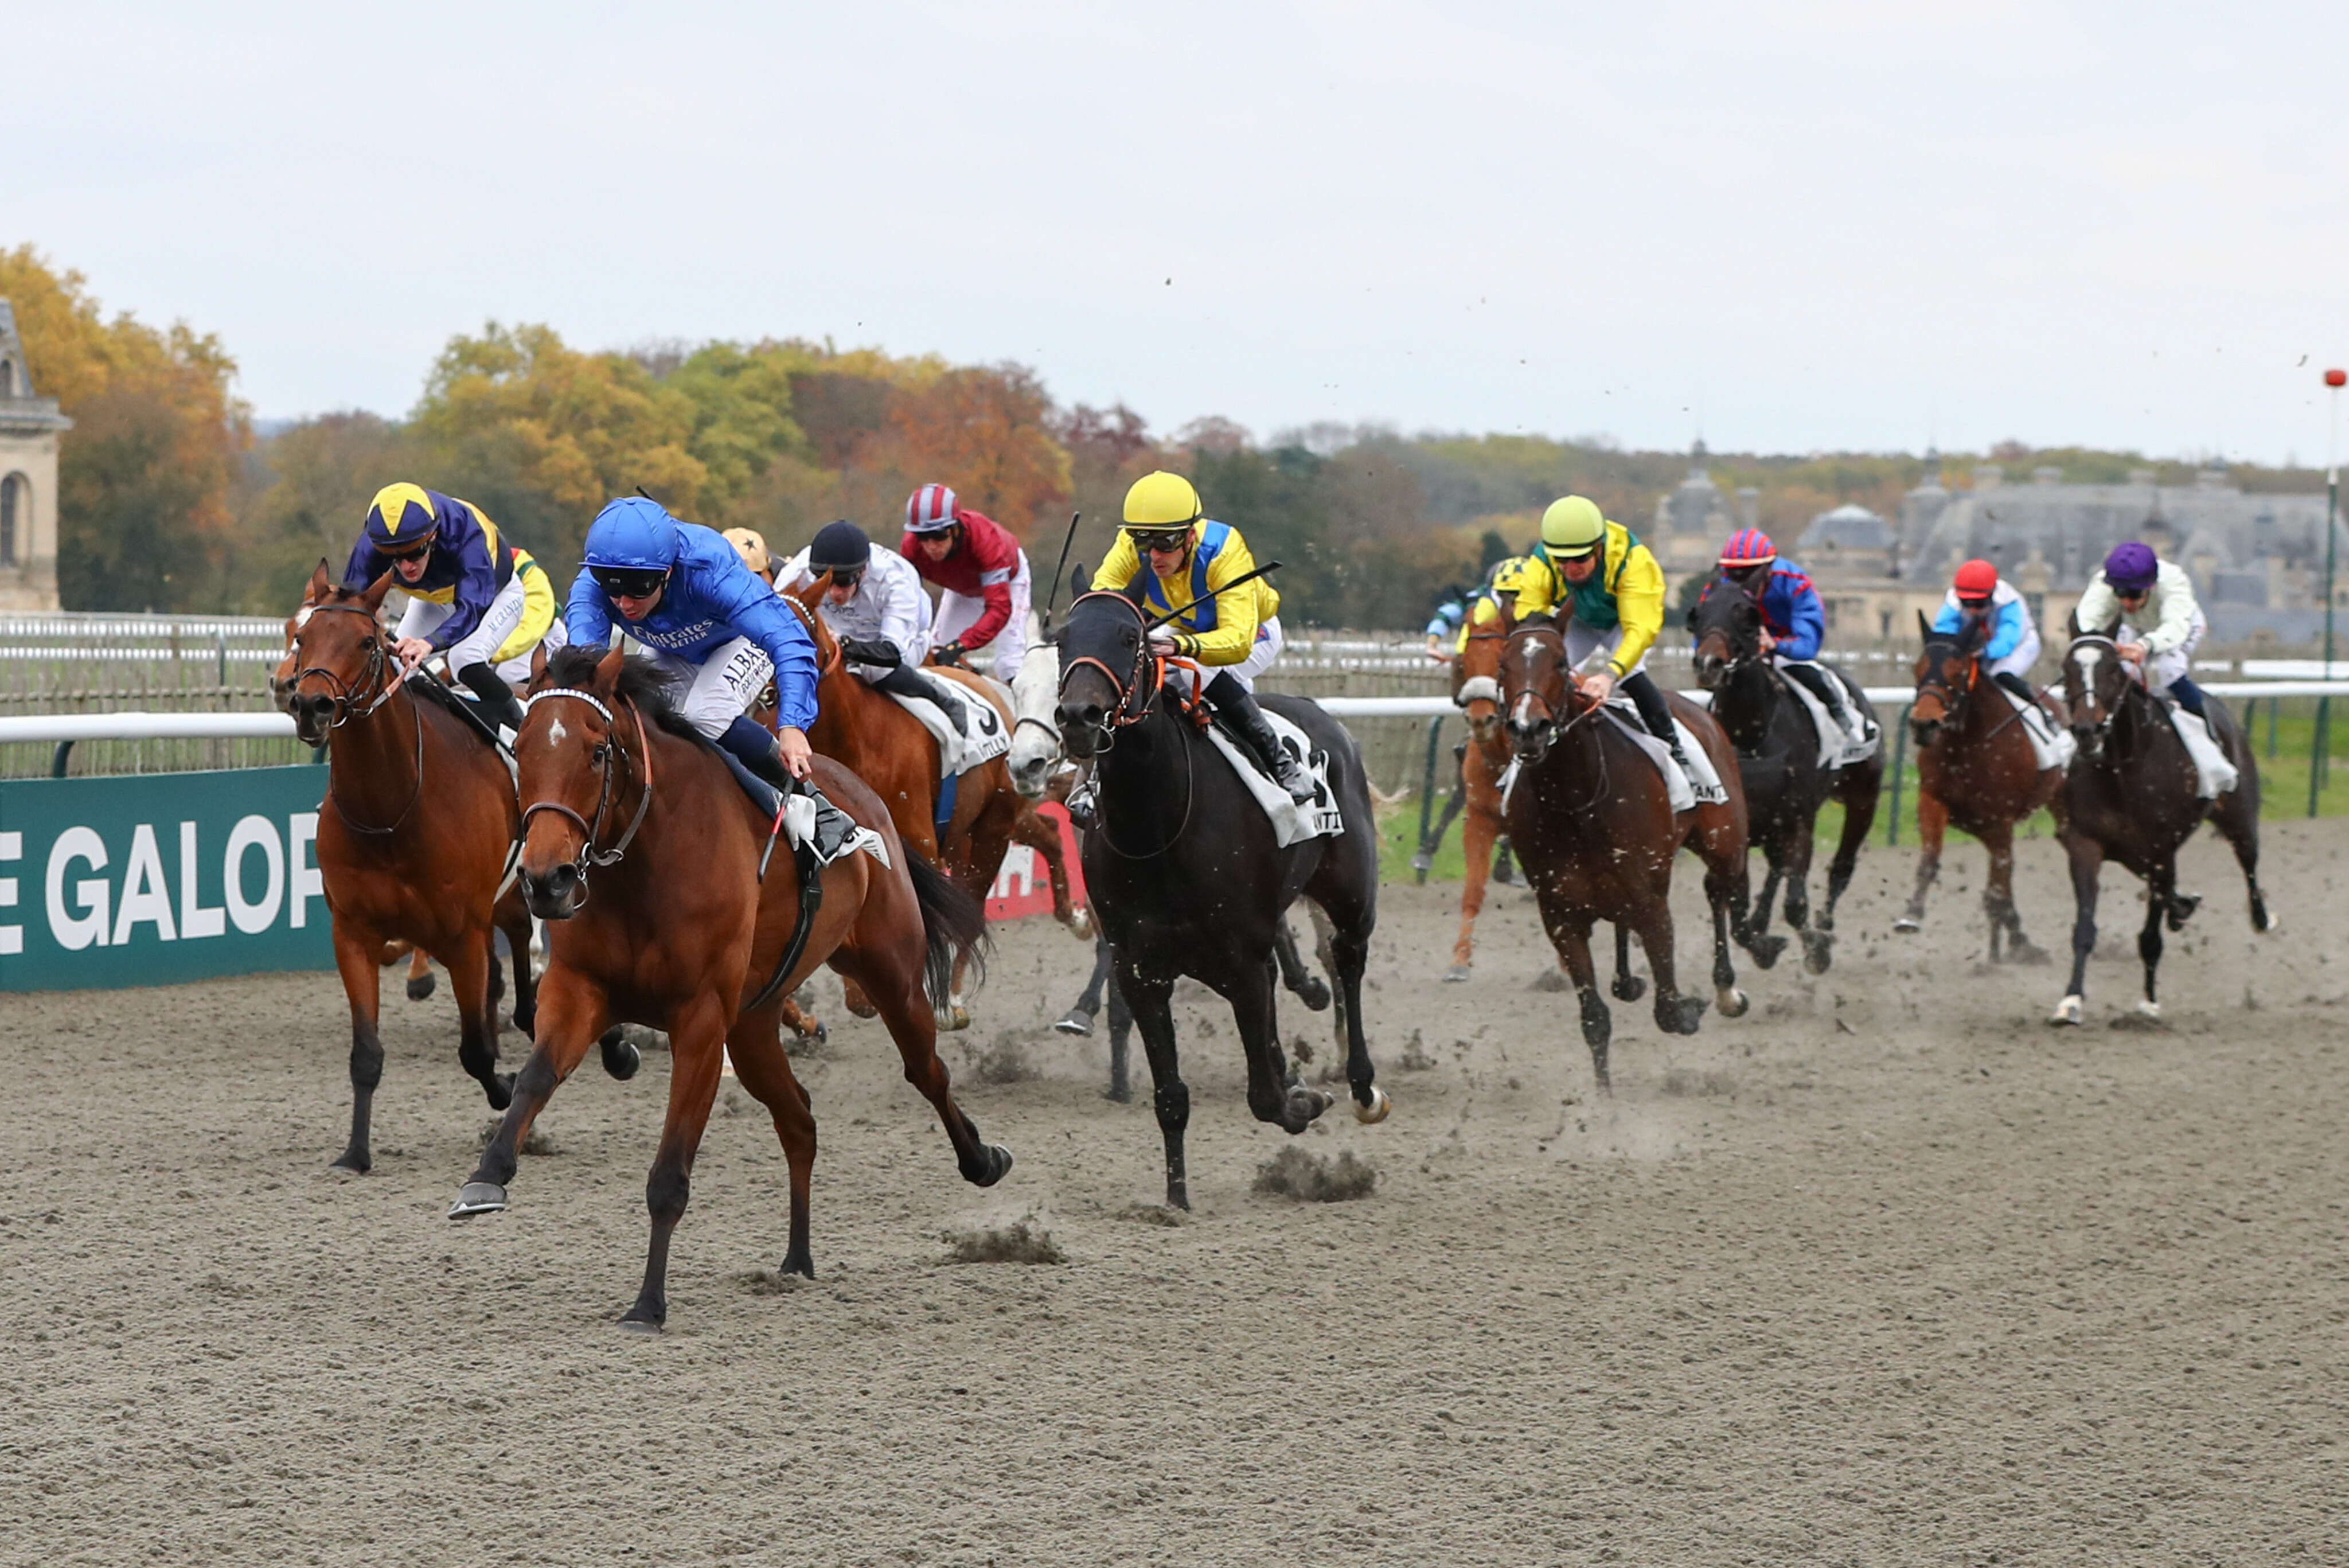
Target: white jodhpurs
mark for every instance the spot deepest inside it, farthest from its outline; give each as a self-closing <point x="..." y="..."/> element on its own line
<point x="958" y="612"/>
<point x="1265" y="648"/>
<point x="1582" y="642"/>
<point x="720" y="689"/>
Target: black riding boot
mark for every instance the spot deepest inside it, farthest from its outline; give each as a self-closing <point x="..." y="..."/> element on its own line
<point x="1236" y="710"/>
<point x="1649" y="698"/>
<point x="756" y="749"/>
<point x="1823" y="686"/>
<point x="497" y="699"/>
<point x="2016" y="683"/>
<point x="925" y="688"/>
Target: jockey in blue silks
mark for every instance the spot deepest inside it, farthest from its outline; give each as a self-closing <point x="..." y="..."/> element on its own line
<point x="1794" y="621"/>
<point x="682" y="592"/>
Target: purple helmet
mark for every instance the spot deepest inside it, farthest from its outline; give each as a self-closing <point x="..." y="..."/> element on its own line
<point x="2131" y="568"/>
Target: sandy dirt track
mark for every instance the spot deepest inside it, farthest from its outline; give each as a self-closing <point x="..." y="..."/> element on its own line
<point x="1886" y="1271"/>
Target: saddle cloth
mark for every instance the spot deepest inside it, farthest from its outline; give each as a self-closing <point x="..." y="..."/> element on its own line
<point x="2051" y="746"/>
<point x="1684" y="791"/>
<point x="2214" y="776"/>
<point x="1838" y="748"/>
<point x="989" y="739"/>
<point x="1291" y="823"/>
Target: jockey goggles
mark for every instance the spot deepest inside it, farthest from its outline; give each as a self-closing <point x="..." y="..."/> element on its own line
<point x="415" y="552"/>
<point x="843" y="576"/>
<point x="630" y="582"/>
<point x="1162" y="538"/>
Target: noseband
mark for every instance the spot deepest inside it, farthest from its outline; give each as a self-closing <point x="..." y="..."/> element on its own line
<point x="1143" y="682"/>
<point x="589" y="854"/>
<point x="1935" y="681"/>
<point x="345" y="692"/>
<point x="2087" y="650"/>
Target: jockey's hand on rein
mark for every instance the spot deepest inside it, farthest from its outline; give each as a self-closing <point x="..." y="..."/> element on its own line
<point x="412" y="651"/>
<point x="797" y="757"/>
<point x="872" y="650"/>
<point x="950" y="654"/>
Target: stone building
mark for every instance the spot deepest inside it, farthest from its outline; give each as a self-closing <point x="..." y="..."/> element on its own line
<point x="29" y="427"/>
<point x="1695" y="519"/>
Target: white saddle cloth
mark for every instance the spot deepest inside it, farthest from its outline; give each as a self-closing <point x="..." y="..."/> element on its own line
<point x="989" y="739"/>
<point x="1684" y="791"/>
<point x="1838" y="747"/>
<point x="1291" y="823"/>
<point x="2214" y="774"/>
<point x="2051" y="746"/>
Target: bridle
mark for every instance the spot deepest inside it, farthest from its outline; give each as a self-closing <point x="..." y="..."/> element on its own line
<point x="1937" y="682"/>
<point x="1146" y="679"/>
<point x="1557" y="732"/>
<point x="379" y="679"/>
<point x="2088" y="649"/>
<point x="589" y="854"/>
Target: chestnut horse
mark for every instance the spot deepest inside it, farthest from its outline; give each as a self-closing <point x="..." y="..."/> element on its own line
<point x="2132" y="795"/>
<point x="873" y="736"/>
<point x="413" y="842"/>
<point x="698" y="922"/>
<point x="1778" y="747"/>
<point x="1591" y="820"/>
<point x="1976" y="768"/>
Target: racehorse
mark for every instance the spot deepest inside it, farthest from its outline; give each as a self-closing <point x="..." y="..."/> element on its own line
<point x="696" y="923"/>
<point x="397" y="866"/>
<point x="2131" y="794"/>
<point x="867" y="732"/>
<point x="1778" y="747"/>
<point x="1592" y="822"/>
<point x="1186" y="875"/>
<point x="1975" y="767"/>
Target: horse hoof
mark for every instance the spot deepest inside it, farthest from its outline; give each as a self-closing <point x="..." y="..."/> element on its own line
<point x="526" y="1020"/>
<point x="1681" y="1016"/>
<point x="1119" y="1093"/>
<point x="1552" y="979"/>
<point x="2148" y="1008"/>
<point x="1076" y="1020"/>
<point x="1307" y="1105"/>
<point x="632" y="1324"/>
<point x="621" y="1060"/>
<point x="1455" y="974"/>
<point x="1374" y="1113"/>
<point x="1818" y="952"/>
<point x="1766" y="950"/>
<point x="953" y="1019"/>
<point x="2027" y="954"/>
<point x="2066" y="1011"/>
<point x="352" y="1164"/>
<point x="1080" y="925"/>
<point x="2268" y="925"/>
<point x="1731" y="1002"/>
<point x="499" y="1090"/>
<point x="419" y="986"/>
<point x="998" y="1166"/>
<point x="1628" y="988"/>
<point x="477" y="1198"/>
<point x="1907" y="925"/>
<point x="1314" y="995"/>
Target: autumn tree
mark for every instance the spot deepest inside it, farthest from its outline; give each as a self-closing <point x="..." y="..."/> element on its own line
<point x="986" y="431"/>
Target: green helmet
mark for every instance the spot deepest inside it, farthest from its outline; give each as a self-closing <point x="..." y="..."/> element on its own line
<point x="1573" y="527"/>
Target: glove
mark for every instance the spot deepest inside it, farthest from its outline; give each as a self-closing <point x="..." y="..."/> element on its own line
<point x="1162" y="642"/>
<point x="872" y="650"/>
<point x="950" y="654"/>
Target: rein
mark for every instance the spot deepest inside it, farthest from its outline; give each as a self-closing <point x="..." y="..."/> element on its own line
<point x="1549" y="715"/>
<point x="1128" y="713"/>
<point x="378" y="678"/>
<point x="589" y="852"/>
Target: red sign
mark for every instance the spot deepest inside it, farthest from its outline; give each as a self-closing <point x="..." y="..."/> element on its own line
<point x="1024" y="886"/>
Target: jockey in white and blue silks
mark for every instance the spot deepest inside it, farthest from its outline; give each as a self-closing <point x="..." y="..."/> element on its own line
<point x="681" y="593"/>
<point x="2010" y="645"/>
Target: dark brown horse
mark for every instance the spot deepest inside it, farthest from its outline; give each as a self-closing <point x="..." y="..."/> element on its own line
<point x="1976" y="768"/>
<point x="413" y="842"/>
<point x="1592" y="822"/>
<point x="2131" y="795"/>
<point x="696" y="923"/>
<point x="1778" y="759"/>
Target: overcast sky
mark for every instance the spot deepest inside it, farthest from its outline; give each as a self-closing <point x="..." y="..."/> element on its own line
<point x="1811" y="225"/>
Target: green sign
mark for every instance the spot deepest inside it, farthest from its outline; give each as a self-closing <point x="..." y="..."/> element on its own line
<point x="161" y="877"/>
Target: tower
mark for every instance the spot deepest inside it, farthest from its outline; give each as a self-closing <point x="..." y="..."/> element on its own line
<point x="29" y="427"/>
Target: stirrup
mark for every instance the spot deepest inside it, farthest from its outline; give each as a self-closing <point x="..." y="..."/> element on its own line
<point x="835" y="830"/>
<point x="1081" y="804"/>
<point x="1290" y="776"/>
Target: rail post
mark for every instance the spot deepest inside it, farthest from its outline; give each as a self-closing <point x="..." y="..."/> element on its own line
<point x="59" y="758"/>
<point x="1427" y="797"/>
<point x="2271" y="729"/>
<point x="1899" y="759"/>
<point x="2318" y="743"/>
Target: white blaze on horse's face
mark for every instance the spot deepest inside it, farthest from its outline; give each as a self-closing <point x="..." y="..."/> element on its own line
<point x="558" y="734"/>
<point x="2089" y="659"/>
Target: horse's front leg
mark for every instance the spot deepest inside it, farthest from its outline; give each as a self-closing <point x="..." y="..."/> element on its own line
<point x="1291" y="1107"/>
<point x="573" y="1012"/>
<point x="1675" y="1013"/>
<point x="1818" y="948"/>
<point x="1628" y="987"/>
<point x="1476" y="838"/>
<point x="1149" y="997"/>
<point x="2159" y="888"/>
<point x="1998" y="898"/>
<point x="697" y="1042"/>
<point x="355" y="957"/>
<point x="1569" y="932"/>
<point x="477" y="1042"/>
<point x="512" y="918"/>
<point x="2087" y="858"/>
<point x="1933" y="821"/>
<point x="1041" y="834"/>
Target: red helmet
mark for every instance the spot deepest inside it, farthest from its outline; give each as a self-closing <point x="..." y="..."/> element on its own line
<point x="1977" y="579"/>
<point x="930" y="510"/>
<point x="1749" y="547"/>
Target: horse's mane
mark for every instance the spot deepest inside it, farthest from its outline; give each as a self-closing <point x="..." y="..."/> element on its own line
<point x="641" y="682"/>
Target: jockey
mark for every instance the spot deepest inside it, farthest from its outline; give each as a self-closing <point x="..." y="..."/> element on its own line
<point x="2011" y="646"/>
<point x="2160" y="624"/>
<point x="1609" y="584"/>
<point x="686" y="597"/>
<point x="983" y="572"/>
<point x="1793" y="621"/>
<point x="874" y="605"/>
<point x="1497" y="593"/>
<point x="1447" y="623"/>
<point x="1184" y="561"/>
<point x="471" y="596"/>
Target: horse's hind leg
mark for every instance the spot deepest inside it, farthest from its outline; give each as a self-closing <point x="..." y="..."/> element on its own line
<point x="766" y="1071"/>
<point x="419" y="975"/>
<point x="1858" y="793"/>
<point x="696" y="1040"/>
<point x="904" y="1008"/>
<point x="2239" y="823"/>
<point x="1476" y="836"/>
<point x="1345" y="932"/>
<point x="572" y="1016"/>
<point x="1628" y="987"/>
<point x="1998" y="898"/>
<point x="1271" y="1097"/>
<point x="1294" y="972"/>
<point x="477" y="1042"/>
<point x="1171" y="1096"/>
<point x="355" y="956"/>
<point x="1571" y="936"/>
<point x="2159" y="888"/>
<point x="1933" y="821"/>
<point x="513" y="920"/>
<point x="1720" y="895"/>
<point x="2087" y="858"/>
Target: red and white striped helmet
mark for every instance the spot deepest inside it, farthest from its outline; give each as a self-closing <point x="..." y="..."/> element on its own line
<point x="1748" y="547"/>
<point x="930" y="510"/>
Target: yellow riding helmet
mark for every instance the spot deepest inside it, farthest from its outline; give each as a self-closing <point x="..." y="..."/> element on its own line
<point x="1509" y="575"/>
<point x="752" y="545"/>
<point x="1162" y="500"/>
<point x="1573" y="526"/>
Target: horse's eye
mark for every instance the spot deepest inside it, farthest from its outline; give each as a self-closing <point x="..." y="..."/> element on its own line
<point x="603" y="749"/>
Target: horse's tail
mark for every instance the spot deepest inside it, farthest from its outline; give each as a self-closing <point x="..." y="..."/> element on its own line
<point x="953" y="929"/>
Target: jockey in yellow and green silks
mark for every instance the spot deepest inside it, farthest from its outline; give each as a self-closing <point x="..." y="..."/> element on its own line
<point x="1610" y="588"/>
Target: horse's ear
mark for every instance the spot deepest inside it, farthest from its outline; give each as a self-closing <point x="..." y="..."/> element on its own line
<point x="2072" y="622"/>
<point x="1077" y="580"/>
<point x="538" y="666"/>
<point x="321" y="584"/>
<point x="807" y="593"/>
<point x="1924" y="628"/>
<point x="607" y="669"/>
<point x="373" y="598"/>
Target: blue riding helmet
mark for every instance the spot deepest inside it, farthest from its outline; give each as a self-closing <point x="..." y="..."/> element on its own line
<point x="632" y="535"/>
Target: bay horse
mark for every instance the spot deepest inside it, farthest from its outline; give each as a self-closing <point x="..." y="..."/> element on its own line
<point x="1186" y="875"/>
<point x="1976" y="768"/>
<point x="1778" y="747"/>
<point x="2131" y="795"/>
<point x="413" y="839"/>
<point x="696" y="923"/>
<point x="867" y="732"/>
<point x="1591" y="819"/>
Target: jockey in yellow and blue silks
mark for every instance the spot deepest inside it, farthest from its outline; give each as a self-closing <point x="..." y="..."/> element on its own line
<point x="483" y="603"/>
<point x="1187" y="562"/>
<point x="1598" y="574"/>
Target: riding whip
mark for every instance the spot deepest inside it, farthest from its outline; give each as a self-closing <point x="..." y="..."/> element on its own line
<point x="1052" y="590"/>
<point x="1235" y="582"/>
